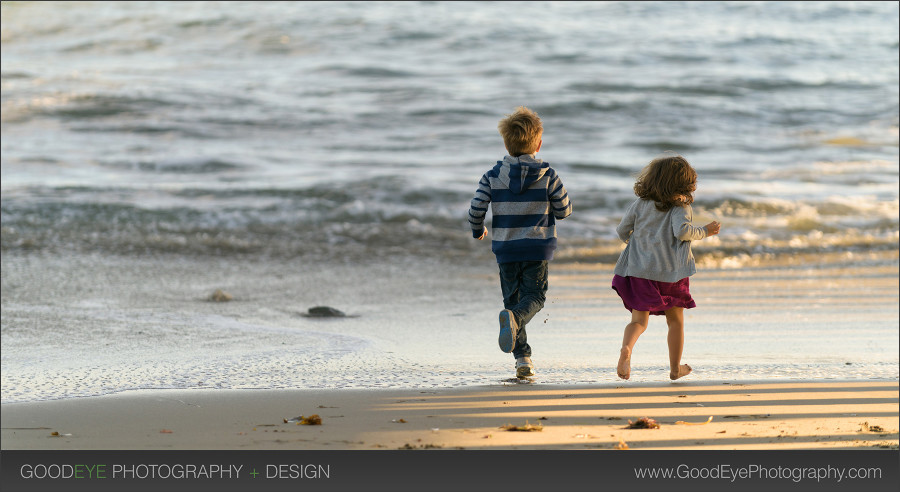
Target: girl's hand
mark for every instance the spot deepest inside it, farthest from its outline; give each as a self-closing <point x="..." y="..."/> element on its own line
<point x="712" y="228"/>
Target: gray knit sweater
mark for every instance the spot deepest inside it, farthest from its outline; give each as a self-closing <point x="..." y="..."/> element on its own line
<point x="659" y="243"/>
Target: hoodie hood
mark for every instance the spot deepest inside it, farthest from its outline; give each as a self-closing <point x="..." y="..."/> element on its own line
<point x="519" y="173"/>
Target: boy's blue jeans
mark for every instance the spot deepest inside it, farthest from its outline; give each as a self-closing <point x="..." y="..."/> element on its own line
<point x="524" y="286"/>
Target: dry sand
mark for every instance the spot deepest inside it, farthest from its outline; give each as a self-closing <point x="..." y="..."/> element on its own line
<point x="761" y="415"/>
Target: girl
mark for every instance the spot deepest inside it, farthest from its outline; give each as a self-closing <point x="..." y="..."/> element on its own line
<point x="652" y="273"/>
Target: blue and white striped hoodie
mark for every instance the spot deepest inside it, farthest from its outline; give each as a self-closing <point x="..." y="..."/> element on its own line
<point x="526" y="197"/>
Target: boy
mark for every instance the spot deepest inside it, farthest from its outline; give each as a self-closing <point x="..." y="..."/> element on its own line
<point x="527" y="197"/>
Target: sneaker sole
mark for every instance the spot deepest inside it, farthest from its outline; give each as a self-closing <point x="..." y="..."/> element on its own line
<point x="524" y="372"/>
<point x="507" y="339"/>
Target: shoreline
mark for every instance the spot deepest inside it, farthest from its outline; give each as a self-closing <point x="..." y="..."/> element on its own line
<point x="760" y="415"/>
<point x="536" y="382"/>
<point x="83" y="326"/>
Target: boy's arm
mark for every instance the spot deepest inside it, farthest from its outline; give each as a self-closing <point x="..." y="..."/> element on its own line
<point x="559" y="198"/>
<point x="479" y="207"/>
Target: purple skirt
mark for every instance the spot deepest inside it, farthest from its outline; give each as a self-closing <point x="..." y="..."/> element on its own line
<point x="640" y="294"/>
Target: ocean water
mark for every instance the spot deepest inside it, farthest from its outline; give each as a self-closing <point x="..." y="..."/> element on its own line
<point x="336" y="135"/>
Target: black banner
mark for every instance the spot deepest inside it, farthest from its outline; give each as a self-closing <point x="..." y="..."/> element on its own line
<point x="449" y="470"/>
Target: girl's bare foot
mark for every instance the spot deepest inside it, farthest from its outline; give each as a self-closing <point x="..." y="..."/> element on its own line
<point x="624" y="367"/>
<point x="683" y="370"/>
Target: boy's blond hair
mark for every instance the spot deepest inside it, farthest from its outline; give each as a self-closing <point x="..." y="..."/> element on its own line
<point x="521" y="131"/>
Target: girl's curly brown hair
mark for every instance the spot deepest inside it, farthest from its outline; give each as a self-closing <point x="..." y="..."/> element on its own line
<point x="669" y="181"/>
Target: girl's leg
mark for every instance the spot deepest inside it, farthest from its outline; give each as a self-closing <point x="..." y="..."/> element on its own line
<point x="675" y="320"/>
<point x="633" y="331"/>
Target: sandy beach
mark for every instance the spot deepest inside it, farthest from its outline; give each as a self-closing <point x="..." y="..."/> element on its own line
<point x="745" y="416"/>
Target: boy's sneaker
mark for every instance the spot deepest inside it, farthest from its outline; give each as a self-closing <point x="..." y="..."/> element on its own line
<point x="508" y="329"/>
<point x="524" y="367"/>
